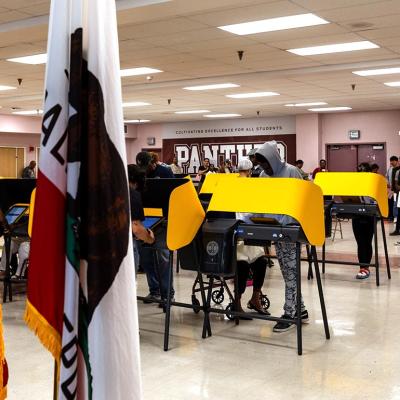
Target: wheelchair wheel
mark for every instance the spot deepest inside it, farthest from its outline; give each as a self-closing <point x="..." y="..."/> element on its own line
<point x="265" y="302"/>
<point x="218" y="296"/>
<point x="229" y="307"/>
<point x="195" y="302"/>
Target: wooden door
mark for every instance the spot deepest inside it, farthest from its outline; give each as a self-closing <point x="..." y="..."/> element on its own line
<point x="12" y="161"/>
<point x="342" y="158"/>
<point x="373" y="154"/>
<point x="20" y="161"/>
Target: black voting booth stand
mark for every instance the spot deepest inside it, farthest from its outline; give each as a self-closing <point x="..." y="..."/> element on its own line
<point x="223" y="259"/>
<point x="214" y="249"/>
<point x="157" y="195"/>
<point x="351" y="210"/>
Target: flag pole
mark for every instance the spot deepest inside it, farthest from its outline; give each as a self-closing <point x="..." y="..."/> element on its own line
<point x="55" y="380"/>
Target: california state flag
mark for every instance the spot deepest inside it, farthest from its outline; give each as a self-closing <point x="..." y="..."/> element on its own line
<point x="81" y="289"/>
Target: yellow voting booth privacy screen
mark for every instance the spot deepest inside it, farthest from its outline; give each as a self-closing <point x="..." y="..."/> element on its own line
<point x="31" y="210"/>
<point x="299" y="199"/>
<point x="185" y="216"/>
<point x="363" y="184"/>
<point x="212" y="181"/>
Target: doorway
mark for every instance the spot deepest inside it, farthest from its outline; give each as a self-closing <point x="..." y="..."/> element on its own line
<point x="12" y="162"/>
<point x="346" y="157"/>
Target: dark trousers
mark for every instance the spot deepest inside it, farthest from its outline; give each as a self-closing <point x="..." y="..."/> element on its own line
<point x="150" y="256"/>
<point x="390" y="203"/>
<point x="397" y="228"/>
<point x="258" y="267"/>
<point x="363" y="229"/>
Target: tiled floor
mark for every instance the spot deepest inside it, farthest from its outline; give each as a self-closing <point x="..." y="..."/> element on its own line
<point x="249" y="361"/>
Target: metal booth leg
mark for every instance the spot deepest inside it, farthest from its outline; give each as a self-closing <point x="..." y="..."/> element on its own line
<point x="7" y="276"/>
<point x="386" y="250"/>
<point x="309" y="259"/>
<point x="320" y="292"/>
<point x="298" y="293"/>
<point x="168" y="301"/>
<point x="204" y="301"/>
<point x="206" y="322"/>
<point x="177" y="263"/>
<point x="376" y="250"/>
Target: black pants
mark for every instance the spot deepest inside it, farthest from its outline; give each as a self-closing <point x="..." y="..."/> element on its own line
<point x="397" y="227"/>
<point x="258" y="267"/>
<point x="390" y="204"/>
<point x="363" y="228"/>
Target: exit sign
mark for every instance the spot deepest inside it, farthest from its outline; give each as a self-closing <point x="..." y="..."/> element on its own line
<point x="354" y="134"/>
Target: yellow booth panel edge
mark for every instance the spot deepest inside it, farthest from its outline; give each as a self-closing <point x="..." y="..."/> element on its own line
<point x="185" y="216"/>
<point x="296" y="198"/>
<point x="212" y="180"/>
<point x="362" y="184"/>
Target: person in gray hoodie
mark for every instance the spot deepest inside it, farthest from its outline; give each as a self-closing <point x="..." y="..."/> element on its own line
<point x="269" y="159"/>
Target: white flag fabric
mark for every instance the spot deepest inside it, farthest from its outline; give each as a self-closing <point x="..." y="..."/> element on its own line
<point x="100" y="357"/>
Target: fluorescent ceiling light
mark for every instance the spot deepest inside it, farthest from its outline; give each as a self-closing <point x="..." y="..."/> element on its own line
<point x="139" y="71"/>
<point x="334" y="48"/>
<point x="28" y="112"/>
<point x="222" y="115"/>
<point x="393" y="84"/>
<point x="212" y="87"/>
<point x="34" y="59"/>
<point x="381" y="71"/>
<point x="329" y="109"/>
<point x="192" y="112"/>
<point x="274" y="24"/>
<point x="317" y="103"/>
<point x="136" y="121"/>
<point x="3" y="87"/>
<point x="135" y="104"/>
<point x="251" y="95"/>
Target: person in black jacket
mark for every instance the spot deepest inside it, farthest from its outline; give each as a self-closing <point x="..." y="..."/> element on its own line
<point x="157" y="289"/>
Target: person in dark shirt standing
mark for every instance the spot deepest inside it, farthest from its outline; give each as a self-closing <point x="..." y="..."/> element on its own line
<point x="150" y="164"/>
<point x="321" y="168"/>
<point x="29" y="171"/>
<point x="136" y="182"/>
<point x="204" y="169"/>
<point x="157" y="289"/>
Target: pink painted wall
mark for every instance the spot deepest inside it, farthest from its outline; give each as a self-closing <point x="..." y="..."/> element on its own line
<point x="144" y="131"/>
<point x="308" y="140"/>
<point x="18" y="131"/>
<point x="20" y="124"/>
<point x="375" y="126"/>
<point x="24" y="140"/>
<point x="313" y="131"/>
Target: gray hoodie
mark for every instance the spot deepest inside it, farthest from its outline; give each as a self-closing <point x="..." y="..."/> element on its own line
<point x="281" y="169"/>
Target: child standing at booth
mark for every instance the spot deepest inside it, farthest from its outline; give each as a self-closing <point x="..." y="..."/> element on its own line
<point x="250" y="258"/>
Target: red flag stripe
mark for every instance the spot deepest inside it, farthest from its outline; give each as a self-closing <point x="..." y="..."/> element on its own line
<point x="44" y="313"/>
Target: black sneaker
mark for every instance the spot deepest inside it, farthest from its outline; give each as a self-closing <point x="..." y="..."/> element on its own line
<point x="283" y="326"/>
<point x="150" y="298"/>
<point x="304" y="317"/>
<point x="162" y="305"/>
<point x="394" y="233"/>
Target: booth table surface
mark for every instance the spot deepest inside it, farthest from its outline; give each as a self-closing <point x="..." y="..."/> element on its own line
<point x="363" y="184"/>
<point x="296" y="198"/>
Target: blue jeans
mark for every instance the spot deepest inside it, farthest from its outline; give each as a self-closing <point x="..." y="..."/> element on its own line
<point x="136" y="257"/>
<point x="149" y="256"/>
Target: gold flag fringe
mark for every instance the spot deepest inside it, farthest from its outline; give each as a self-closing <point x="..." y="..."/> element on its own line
<point x="2" y="352"/>
<point x="49" y="337"/>
<point x="3" y="390"/>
